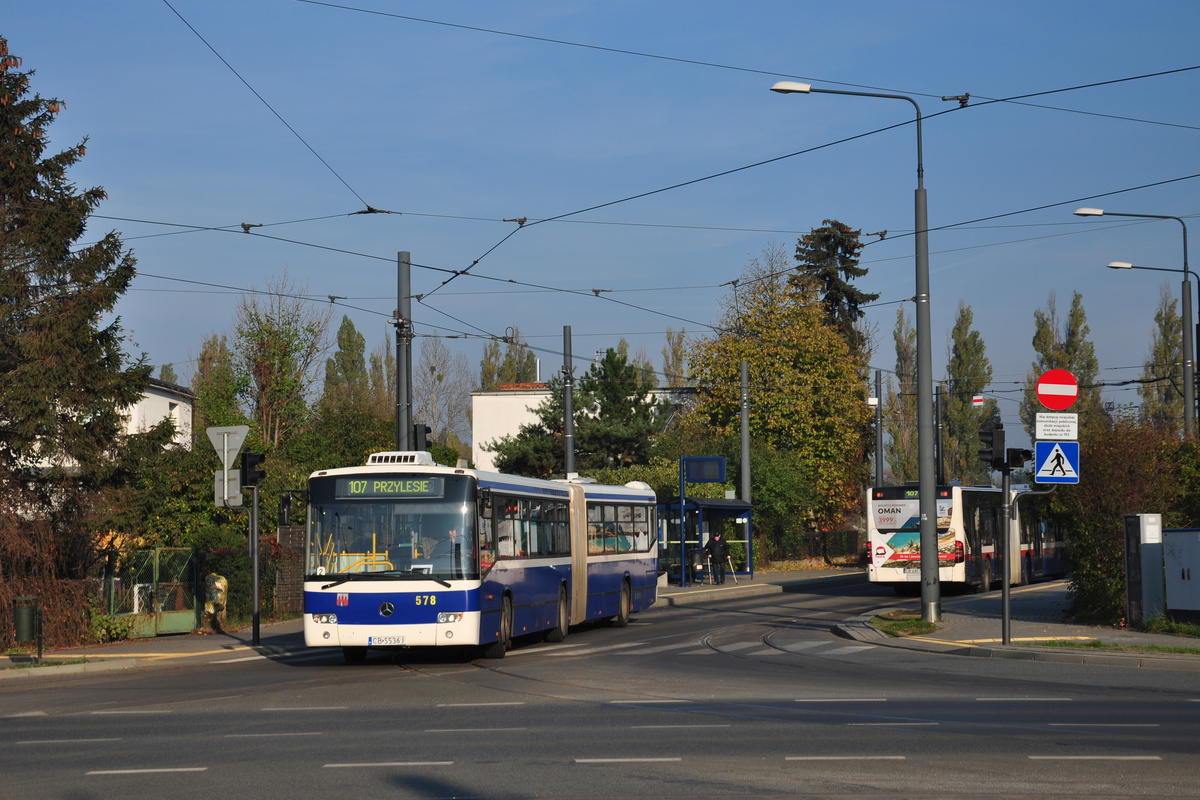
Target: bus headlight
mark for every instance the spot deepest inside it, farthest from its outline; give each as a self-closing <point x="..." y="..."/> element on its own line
<point x="449" y="616"/>
<point x="330" y="619"/>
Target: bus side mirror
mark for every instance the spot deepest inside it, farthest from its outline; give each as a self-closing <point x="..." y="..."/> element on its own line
<point x="485" y="500"/>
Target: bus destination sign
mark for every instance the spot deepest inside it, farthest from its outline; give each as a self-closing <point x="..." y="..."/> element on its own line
<point x="396" y="488"/>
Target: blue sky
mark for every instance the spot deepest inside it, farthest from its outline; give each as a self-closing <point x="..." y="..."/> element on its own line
<point x="459" y="128"/>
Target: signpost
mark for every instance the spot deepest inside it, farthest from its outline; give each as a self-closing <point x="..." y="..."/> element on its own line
<point x="1057" y="389"/>
<point x="1056" y="462"/>
<point x="227" y="441"/>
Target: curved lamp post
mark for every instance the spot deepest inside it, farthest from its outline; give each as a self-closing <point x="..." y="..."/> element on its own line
<point x="931" y="610"/>
<point x="1189" y="375"/>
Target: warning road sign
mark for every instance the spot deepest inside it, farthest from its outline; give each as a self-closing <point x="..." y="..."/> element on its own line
<point x="1057" y="389"/>
<point x="1056" y="462"/>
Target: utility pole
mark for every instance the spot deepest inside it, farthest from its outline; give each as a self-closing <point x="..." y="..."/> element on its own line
<point x="568" y="405"/>
<point x="404" y="337"/>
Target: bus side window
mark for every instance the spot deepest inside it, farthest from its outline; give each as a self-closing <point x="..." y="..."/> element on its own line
<point x="487" y="543"/>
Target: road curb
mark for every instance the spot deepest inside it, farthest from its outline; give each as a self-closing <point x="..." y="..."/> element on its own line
<point x="860" y="629"/>
<point x="688" y="597"/>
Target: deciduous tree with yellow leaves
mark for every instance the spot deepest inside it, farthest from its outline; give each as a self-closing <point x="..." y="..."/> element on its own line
<point x="806" y="396"/>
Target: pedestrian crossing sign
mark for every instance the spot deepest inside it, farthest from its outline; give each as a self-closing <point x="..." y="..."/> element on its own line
<point x="1056" y="462"/>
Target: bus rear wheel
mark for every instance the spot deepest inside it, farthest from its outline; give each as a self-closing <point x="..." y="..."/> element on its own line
<point x="623" y="608"/>
<point x="559" y="631"/>
<point x="503" y="643"/>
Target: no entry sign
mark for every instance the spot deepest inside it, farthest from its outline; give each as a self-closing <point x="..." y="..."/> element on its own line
<point x="1057" y="389"/>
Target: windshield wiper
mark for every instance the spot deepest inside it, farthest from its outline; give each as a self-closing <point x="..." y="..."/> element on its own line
<point x="386" y="576"/>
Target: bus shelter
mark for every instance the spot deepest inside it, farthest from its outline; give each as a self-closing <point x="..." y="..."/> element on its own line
<point x="679" y="556"/>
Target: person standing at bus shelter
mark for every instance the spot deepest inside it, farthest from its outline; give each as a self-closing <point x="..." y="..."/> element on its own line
<point x="717" y="550"/>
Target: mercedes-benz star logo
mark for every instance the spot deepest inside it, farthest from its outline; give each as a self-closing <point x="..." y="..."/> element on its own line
<point x="387" y="609"/>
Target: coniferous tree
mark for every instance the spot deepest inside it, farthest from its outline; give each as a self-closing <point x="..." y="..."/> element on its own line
<point x="1162" y="390"/>
<point x="900" y="410"/>
<point x="1065" y="347"/>
<point x="618" y="427"/>
<point x="346" y="383"/>
<point x="674" y="364"/>
<point x="829" y="257"/>
<point x="64" y="378"/>
<point x="968" y="372"/>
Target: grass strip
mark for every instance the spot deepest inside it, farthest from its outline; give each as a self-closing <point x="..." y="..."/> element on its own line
<point x="1096" y="644"/>
<point x="903" y="622"/>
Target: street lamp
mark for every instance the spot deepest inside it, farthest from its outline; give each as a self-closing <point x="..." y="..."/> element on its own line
<point x="931" y="610"/>
<point x="1189" y="379"/>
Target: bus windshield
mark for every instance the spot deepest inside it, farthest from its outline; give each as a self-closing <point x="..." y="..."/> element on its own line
<point x="392" y="525"/>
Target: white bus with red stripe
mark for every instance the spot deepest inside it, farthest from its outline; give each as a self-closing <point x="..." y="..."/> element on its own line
<point x="968" y="530"/>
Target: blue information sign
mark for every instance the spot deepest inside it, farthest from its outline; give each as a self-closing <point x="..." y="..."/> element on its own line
<point x="704" y="469"/>
<point x="1056" y="462"/>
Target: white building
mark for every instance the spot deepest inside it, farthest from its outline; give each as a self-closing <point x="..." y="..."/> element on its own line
<point x="163" y="400"/>
<point x="500" y="413"/>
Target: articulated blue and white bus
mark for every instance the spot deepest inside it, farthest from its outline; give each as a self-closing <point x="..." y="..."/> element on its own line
<point x="403" y="552"/>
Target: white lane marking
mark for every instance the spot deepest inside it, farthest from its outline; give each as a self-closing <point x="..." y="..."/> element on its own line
<point x="1095" y="758"/>
<point x="649" y="727"/>
<point x="265" y="735"/>
<point x="27" y="714"/>
<point x="292" y="654"/>
<point x="841" y="700"/>
<point x="850" y="648"/>
<point x="729" y="648"/>
<point x="1022" y="699"/>
<point x="1103" y="724"/>
<point x="622" y="760"/>
<point x="628" y="702"/>
<point x="890" y="724"/>
<point x="844" y="758"/>
<point x="471" y="730"/>
<point x="135" y="711"/>
<point x="705" y="651"/>
<point x="660" y="649"/>
<point x="144" y="771"/>
<point x="391" y="764"/>
<point x="65" y="741"/>
<point x="588" y="651"/>
<point x="307" y="708"/>
<point x="480" y="705"/>
<point x="798" y="646"/>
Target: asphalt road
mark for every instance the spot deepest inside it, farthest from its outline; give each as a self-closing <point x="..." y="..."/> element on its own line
<point x="751" y="698"/>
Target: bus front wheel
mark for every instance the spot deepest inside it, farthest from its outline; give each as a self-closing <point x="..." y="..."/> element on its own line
<point x="503" y="642"/>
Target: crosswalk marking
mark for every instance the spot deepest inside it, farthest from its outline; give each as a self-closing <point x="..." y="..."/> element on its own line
<point x="852" y="648"/>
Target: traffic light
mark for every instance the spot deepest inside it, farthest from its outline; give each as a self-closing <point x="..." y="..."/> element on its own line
<point x="251" y="473"/>
<point x="1017" y="457"/>
<point x="421" y="436"/>
<point x="991" y="447"/>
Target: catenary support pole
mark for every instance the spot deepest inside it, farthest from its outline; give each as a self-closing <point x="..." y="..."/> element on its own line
<point x="568" y="405"/>
<point x="404" y="337"/>
<point x="879" y="427"/>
